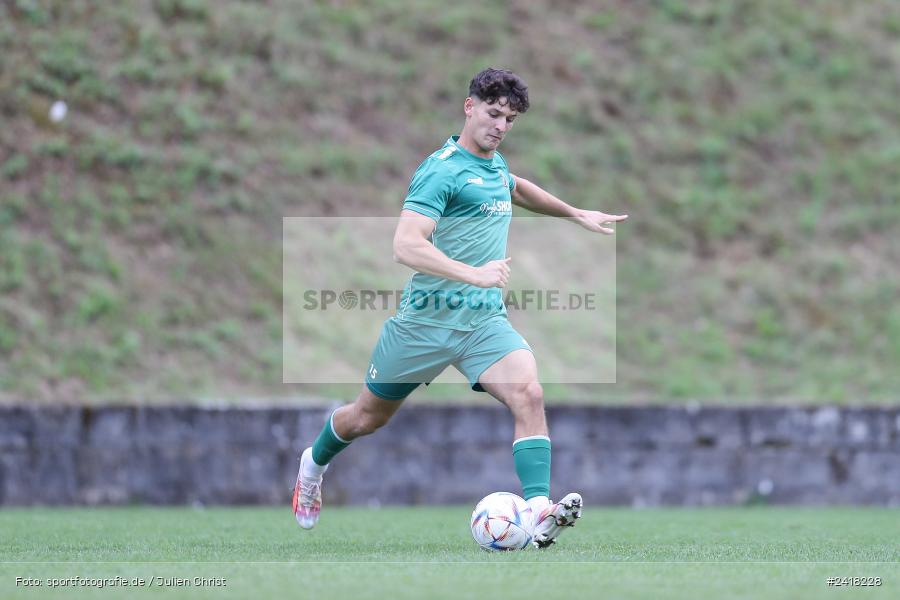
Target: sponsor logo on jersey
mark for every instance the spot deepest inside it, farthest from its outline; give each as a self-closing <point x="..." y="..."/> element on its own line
<point x="475" y="180"/>
<point x="497" y="208"/>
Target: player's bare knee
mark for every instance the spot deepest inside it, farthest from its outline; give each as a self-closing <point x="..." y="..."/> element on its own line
<point x="370" y="421"/>
<point x="535" y="393"/>
<point x="527" y="398"/>
<point x="532" y="397"/>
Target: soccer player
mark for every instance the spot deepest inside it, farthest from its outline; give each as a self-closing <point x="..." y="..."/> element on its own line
<point x="452" y="232"/>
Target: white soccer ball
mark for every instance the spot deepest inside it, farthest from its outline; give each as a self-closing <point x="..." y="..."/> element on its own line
<point x="502" y="521"/>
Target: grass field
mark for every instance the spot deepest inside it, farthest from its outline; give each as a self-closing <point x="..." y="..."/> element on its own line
<point x="428" y="553"/>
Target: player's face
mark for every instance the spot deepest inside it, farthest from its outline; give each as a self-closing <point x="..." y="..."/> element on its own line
<point x="489" y="123"/>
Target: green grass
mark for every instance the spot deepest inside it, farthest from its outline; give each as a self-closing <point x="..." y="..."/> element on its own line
<point x="428" y="552"/>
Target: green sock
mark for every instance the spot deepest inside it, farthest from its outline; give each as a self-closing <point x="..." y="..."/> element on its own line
<point x="327" y="444"/>
<point x="532" y="458"/>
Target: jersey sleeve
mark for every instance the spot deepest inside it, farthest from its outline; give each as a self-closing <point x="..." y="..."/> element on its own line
<point x="431" y="188"/>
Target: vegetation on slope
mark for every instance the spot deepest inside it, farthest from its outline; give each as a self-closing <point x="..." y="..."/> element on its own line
<point x="754" y="145"/>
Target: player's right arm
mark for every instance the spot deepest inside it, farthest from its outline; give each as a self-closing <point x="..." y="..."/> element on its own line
<point x="412" y="248"/>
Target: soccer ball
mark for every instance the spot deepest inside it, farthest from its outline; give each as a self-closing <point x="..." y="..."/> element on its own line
<point x="502" y="521"/>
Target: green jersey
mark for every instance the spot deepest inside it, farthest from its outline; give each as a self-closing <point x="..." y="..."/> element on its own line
<point x="469" y="199"/>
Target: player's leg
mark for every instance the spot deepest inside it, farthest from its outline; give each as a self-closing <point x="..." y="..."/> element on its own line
<point x="404" y="357"/>
<point x="512" y="379"/>
<point x="364" y="416"/>
<point x="496" y="359"/>
<point x="367" y="414"/>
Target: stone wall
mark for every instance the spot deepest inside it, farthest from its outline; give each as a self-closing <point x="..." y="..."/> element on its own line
<point x="626" y="456"/>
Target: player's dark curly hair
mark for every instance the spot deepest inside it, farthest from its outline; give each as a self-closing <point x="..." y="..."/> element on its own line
<point x="492" y="84"/>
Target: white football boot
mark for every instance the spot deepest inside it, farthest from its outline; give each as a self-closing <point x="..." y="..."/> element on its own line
<point x="307" y="501"/>
<point x="553" y="519"/>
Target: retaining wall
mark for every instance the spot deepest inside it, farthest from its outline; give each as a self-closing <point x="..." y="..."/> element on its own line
<point x="624" y="456"/>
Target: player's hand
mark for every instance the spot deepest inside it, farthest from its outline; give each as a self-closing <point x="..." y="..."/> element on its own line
<point x="492" y="274"/>
<point x="594" y="220"/>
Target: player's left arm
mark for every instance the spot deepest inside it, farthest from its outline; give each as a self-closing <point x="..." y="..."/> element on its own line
<point x="531" y="197"/>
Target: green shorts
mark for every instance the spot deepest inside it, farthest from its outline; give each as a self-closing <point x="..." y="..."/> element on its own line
<point x="409" y="354"/>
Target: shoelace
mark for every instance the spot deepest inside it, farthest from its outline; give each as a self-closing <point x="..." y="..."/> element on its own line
<point x="309" y="492"/>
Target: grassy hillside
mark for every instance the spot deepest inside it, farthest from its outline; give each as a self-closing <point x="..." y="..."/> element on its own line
<point x="754" y="144"/>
